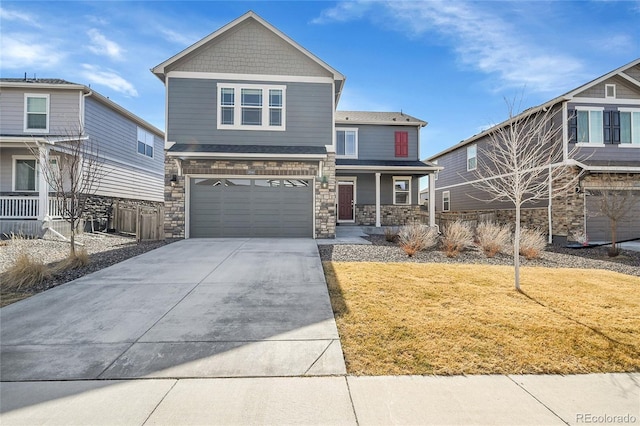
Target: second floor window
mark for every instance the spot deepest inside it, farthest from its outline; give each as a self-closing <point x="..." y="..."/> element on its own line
<point x="589" y="126"/>
<point x="472" y="157"/>
<point x="145" y="142"/>
<point x="251" y="107"/>
<point x="36" y="111"/>
<point x="347" y="143"/>
<point x="630" y="126"/>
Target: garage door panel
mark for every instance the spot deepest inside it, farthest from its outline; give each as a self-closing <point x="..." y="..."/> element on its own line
<point x="599" y="227"/>
<point x="251" y="207"/>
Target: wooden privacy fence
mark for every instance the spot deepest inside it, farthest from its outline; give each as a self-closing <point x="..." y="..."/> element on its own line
<point x="146" y="222"/>
<point x="474" y="218"/>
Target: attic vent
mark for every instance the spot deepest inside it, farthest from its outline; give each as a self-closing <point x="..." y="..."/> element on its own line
<point x="609" y="90"/>
<point x="346" y="118"/>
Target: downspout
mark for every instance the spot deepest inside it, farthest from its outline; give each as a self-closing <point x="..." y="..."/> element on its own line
<point x="82" y="111"/>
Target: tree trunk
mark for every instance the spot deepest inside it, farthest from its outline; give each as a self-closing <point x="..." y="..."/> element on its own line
<point x="614" y="236"/>
<point x="516" y="249"/>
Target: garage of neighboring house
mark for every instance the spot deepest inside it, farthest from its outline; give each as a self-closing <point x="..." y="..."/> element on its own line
<point x="598" y="226"/>
<point x="250" y="207"/>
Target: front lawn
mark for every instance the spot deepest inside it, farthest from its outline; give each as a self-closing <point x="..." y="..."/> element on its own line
<point x="403" y="318"/>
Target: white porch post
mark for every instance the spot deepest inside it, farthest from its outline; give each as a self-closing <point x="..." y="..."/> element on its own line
<point x="377" y="200"/>
<point x="43" y="186"/>
<point x="432" y="199"/>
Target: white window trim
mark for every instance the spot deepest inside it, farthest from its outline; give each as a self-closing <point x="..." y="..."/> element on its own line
<point x="14" y="159"/>
<point x="347" y="129"/>
<point x="475" y="147"/>
<point x="153" y="139"/>
<point x="606" y="90"/>
<point x="588" y="109"/>
<point x="437" y="172"/>
<point x="237" y="106"/>
<point x="48" y="112"/>
<point x="395" y="178"/>
<point x="447" y="195"/>
<point x="632" y="144"/>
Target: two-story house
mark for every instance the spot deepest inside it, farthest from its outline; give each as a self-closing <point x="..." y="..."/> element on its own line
<point x="255" y="146"/>
<point x="599" y="139"/>
<point x="37" y="114"/>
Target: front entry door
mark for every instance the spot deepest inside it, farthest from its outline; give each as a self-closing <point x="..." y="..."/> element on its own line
<point x="345" y="202"/>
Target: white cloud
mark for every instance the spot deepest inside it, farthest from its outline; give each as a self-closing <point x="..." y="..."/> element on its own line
<point x="176" y="37"/>
<point x="13" y="15"/>
<point x="108" y="78"/>
<point x="100" y="45"/>
<point x="22" y="51"/>
<point x="482" y="40"/>
<point x="344" y="11"/>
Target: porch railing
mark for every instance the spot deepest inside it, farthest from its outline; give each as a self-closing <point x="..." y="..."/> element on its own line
<point x="21" y="207"/>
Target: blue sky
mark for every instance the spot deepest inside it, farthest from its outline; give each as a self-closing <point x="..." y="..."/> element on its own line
<point x="451" y="63"/>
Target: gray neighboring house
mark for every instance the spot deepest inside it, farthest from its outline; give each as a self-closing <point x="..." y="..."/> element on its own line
<point x="37" y="114"/>
<point x="600" y="133"/>
<point x="255" y="146"/>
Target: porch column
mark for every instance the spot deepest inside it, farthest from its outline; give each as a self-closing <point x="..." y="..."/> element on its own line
<point x="377" y="200"/>
<point x="432" y="199"/>
<point x="43" y="186"/>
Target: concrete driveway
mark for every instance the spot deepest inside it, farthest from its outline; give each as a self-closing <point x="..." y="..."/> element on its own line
<point x="193" y="309"/>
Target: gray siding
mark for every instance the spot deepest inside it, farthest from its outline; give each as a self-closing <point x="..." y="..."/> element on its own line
<point x="378" y="142"/>
<point x="130" y="175"/>
<point x="64" y="110"/>
<point x="634" y="72"/>
<point x="366" y="188"/>
<point x="192" y="115"/>
<point x="624" y="89"/>
<point x="250" y="48"/>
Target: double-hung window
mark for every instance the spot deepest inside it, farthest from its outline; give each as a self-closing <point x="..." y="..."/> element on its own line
<point x="401" y="190"/>
<point x="589" y="125"/>
<point x="630" y="126"/>
<point x="145" y="142"/>
<point x="472" y="157"/>
<point x="251" y="107"/>
<point x="347" y="143"/>
<point x="446" y="201"/>
<point x="36" y="112"/>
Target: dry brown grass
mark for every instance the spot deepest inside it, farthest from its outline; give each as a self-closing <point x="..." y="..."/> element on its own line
<point x="456" y="237"/>
<point x="532" y="243"/>
<point x="493" y="238"/>
<point x="72" y="262"/>
<point x="396" y="318"/>
<point x="25" y="272"/>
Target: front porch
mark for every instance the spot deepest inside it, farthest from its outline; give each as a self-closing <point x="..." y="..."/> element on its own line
<point x="24" y="215"/>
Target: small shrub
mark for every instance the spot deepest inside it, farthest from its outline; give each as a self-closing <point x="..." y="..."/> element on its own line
<point x="493" y="238"/>
<point x="25" y="272"/>
<point x="414" y="238"/>
<point x="456" y="237"/>
<point x="532" y="243"/>
<point x="391" y="234"/>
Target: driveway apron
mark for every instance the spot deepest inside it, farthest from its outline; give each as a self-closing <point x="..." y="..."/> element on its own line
<point x="194" y="308"/>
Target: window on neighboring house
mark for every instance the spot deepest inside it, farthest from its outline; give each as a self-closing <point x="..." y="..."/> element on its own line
<point x="472" y="157"/>
<point x="347" y="143"/>
<point x="589" y="125"/>
<point x="251" y="107"/>
<point x="26" y="173"/>
<point x="145" y="142"/>
<point x="36" y="112"/>
<point x="402" y="144"/>
<point x="630" y="126"/>
<point x="401" y="190"/>
<point x="446" y="201"/>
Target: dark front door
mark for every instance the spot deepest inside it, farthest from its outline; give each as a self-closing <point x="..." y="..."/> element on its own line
<point x="345" y="202"/>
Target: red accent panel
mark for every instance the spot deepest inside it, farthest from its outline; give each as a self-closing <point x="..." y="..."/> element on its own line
<point x="402" y="144"/>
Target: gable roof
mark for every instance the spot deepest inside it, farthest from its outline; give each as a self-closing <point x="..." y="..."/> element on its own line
<point x="160" y="69"/>
<point x="374" y="117"/>
<point x="562" y="98"/>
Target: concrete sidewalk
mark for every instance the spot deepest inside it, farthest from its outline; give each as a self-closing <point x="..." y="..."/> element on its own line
<point x="403" y="400"/>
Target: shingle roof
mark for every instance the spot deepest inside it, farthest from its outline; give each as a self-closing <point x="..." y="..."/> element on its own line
<point x="247" y="149"/>
<point x="36" y="80"/>
<point x="382" y="163"/>
<point x="375" y="117"/>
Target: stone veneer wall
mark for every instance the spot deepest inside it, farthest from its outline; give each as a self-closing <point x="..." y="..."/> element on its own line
<point x="325" y="199"/>
<point x="390" y="215"/>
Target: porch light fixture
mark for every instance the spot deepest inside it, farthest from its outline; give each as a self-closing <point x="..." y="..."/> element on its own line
<point x="324" y="184"/>
<point x="174" y="180"/>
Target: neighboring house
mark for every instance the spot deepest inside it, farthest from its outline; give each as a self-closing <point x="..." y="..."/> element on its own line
<point x="35" y="114"/>
<point x="600" y="134"/>
<point x="424" y="197"/>
<point x="255" y="146"/>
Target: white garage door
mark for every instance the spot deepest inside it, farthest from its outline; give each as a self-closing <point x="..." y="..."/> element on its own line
<point x="599" y="226"/>
<point x="279" y="207"/>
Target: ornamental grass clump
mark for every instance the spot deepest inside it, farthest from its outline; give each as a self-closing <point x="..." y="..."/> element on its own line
<point x="493" y="238"/>
<point x="532" y="243"/>
<point x="416" y="237"/>
<point x="457" y="236"/>
<point x="78" y="260"/>
<point x="25" y="272"/>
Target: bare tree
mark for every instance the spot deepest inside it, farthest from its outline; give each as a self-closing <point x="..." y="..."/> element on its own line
<point x="75" y="174"/>
<point x="617" y="198"/>
<point x="522" y="157"/>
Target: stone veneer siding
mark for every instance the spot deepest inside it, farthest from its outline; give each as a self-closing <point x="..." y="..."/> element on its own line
<point x="390" y="215"/>
<point x="325" y="199"/>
